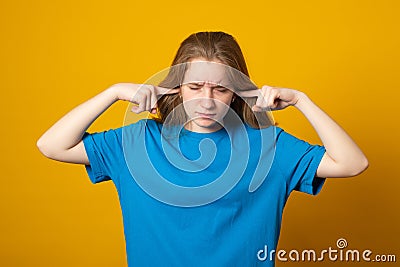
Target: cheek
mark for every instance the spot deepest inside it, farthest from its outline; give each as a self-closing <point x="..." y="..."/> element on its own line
<point x="226" y="99"/>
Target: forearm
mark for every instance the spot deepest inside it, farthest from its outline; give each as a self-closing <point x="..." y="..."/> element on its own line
<point x="338" y="144"/>
<point x="68" y="131"/>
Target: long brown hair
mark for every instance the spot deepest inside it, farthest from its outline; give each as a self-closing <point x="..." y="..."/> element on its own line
<point x="211" y="46"/>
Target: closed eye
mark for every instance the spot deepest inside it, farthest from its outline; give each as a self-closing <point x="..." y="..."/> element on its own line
<point x="221" y="89"/>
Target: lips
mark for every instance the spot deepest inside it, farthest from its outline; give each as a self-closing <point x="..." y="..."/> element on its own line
<point x="205" y="115"/>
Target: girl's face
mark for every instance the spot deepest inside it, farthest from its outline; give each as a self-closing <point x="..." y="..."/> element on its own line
<point x="205" y="100"/>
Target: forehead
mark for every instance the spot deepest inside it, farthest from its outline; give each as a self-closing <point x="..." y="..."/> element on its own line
<point x="206" y="71"/>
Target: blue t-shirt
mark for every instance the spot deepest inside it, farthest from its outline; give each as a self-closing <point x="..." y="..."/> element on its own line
<point x="227" y="231"/>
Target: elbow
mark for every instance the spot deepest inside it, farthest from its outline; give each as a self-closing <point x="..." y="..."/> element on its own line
<point x="43" y="148"/>
<point x="360" y="167"/>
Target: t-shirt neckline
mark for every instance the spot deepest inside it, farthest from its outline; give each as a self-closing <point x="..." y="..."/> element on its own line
<point x="201" y="135"/>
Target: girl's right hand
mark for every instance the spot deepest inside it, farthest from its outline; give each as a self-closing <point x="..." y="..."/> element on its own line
<point x="143" y="96"/>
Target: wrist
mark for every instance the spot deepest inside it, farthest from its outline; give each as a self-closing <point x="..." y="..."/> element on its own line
<point x="301" y="99"/>
<point x="113" y="92"/>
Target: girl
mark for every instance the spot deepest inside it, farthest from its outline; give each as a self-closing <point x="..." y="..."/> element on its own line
<point x="176" y="212"/>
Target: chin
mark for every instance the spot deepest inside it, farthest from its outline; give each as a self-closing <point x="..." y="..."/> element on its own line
<point x="207" y="123"/>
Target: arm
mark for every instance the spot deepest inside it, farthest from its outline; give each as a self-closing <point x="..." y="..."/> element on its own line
<point x="63" y="141"/>
<point x="343" y="158"/>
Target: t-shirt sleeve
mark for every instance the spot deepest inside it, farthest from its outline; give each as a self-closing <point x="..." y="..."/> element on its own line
<point x="104" y="153"/>
<point x="299" y="161"/>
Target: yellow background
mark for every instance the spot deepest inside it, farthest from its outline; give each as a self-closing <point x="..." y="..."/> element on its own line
<point x="56" y="55"/>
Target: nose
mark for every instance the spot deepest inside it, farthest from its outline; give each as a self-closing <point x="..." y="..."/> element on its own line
<point x="207" y="99"/>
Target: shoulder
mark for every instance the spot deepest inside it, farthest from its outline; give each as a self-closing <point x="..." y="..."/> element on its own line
<point x="283" y="141"/>
<point x="141" y="128"/>
<point x="141" y="124"/>
<point x="136" y="127"/>
<point x="273" y="132"/>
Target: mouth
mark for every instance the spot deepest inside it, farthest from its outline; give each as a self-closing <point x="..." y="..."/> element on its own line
<point x="205" y="115"/>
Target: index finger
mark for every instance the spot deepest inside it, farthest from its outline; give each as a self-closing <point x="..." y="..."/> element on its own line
<point x="249" y="93"/>
<point x="166" y="91"/>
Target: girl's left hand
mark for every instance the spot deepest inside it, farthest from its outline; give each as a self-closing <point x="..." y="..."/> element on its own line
<point x="272" y="98"/>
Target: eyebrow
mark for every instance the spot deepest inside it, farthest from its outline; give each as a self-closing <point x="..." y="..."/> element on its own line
<point x="202" y="83"/>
